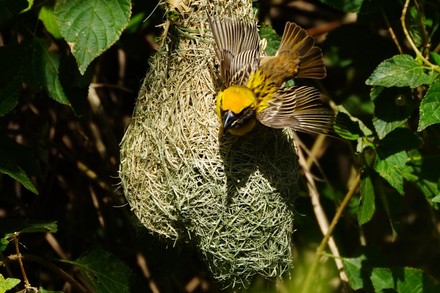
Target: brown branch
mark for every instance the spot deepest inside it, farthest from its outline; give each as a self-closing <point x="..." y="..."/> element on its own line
<point x="63" y="274"/>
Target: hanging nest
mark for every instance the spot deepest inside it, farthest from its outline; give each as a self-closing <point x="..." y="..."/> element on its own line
<point x="231" y="197"/>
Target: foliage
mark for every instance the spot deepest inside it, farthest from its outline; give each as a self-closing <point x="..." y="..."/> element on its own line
<point x="69" y="73"/>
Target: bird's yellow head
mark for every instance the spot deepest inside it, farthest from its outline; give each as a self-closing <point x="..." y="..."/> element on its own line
<point x="236" y="109"/>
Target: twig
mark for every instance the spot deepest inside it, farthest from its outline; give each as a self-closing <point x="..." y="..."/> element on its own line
<point x="328" y="238"/>
<point x="322" y="222"/>
<point x="27" y="285"/>
<point x="411" y="42"/>
<point x="78" y="287"/>
<point x="391" y="31"/>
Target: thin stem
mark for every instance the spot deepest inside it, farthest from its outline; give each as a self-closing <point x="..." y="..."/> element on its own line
<point x="20" y="261"/>
<point x="323" y="225"/>
<point x="328" y="236"/>
<point x="78" y="287"/>
<point x="411" y="42"/>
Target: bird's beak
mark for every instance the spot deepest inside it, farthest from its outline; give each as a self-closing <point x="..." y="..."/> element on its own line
<point x="229" y="119"/>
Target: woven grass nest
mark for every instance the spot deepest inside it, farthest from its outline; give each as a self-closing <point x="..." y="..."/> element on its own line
<point x="231" y="197"/>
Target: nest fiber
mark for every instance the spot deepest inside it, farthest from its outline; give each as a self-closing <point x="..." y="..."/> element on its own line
<point x="231" y="197"/>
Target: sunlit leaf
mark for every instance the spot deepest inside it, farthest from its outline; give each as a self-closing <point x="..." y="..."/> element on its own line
<point x="272" y="38"/>
<point x="354" y="268"/>
<point x="403" y="280"/>
<point x="401" y="71"/>
<point x="392" y="169"/>
<point x="430" y="106"/>
<point x="366" y="204"/>
<point x="47" y="16"/>
<point x="91" y="26"/>
<point x="8" y="283"/>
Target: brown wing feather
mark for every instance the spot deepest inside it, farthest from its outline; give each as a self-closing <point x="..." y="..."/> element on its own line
<point x="297" y="57"/>
<point x="237" y="48"/>
<point x="299" y="108"/>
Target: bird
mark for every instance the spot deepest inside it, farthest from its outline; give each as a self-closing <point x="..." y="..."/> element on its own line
<point x="254" y="86"/>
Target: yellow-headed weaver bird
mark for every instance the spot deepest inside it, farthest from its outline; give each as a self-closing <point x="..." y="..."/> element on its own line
<point x="254" y="85"/>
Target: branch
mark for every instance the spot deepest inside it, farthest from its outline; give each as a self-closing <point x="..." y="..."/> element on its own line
<point x="411" y="42"/>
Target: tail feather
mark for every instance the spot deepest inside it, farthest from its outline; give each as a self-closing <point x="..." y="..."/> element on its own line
<point x="312" y="65"/>
<point x="297" y="44"/>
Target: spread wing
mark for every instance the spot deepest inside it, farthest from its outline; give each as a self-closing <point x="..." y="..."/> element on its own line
<point x="237" y="49"/>
<point x="299" y="108"/>
<point x="299" y="55"/>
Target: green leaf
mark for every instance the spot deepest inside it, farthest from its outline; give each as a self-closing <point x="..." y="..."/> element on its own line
<point x="8" y="283"/>
<point x="425" y="174"/>
<point x="3" y="244"/>
<point x="25" y="227"/>
<point x="355" y="268"/>
<point x="273" y="39"/>
<point x="435" y="57"/>
<point x="392" y="108"/>
<point x="91" y="26"/>
<point x="430" y="106"/>
<point x="11" y="77"/>
<point x="403" y="280"/>
<point x="344" y="5"/>
<point x="401" y="71"/>
<point x="9" y="165"/>
<point x="383" y="127"/>
<point x="48" y="18"/>
<point x="366" y="204"/>
<point x="46" y="65"/>
<point x="104" y="272"/>
<point x="347" y="127"/>
<point x="393" y="168"/>
<point x="400" y="139"/>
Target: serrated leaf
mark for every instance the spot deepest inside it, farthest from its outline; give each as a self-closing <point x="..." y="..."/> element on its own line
<point x="366" y="204"/>
<point x="392" y="169"/>
<point x="425" y="174"/>
<point x="401" y="71"/>
<point x="104" y="272"/>
<point x="91" y="26"/>
<point x="345" y="5"/>
<point x="403" y="280"/>
<point x="273" y="39"/>
<point x="383" y="127"/>
<point x="400" y="139"/>
<point x="11" y="77"/>
<point x="48" y="18"/>
<point x="392" y="108"/>
<point x="430" y="106"/>
<point x="354" y="268"/>
<point x="46" y="65"/>
<point x="8" y="283"/>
